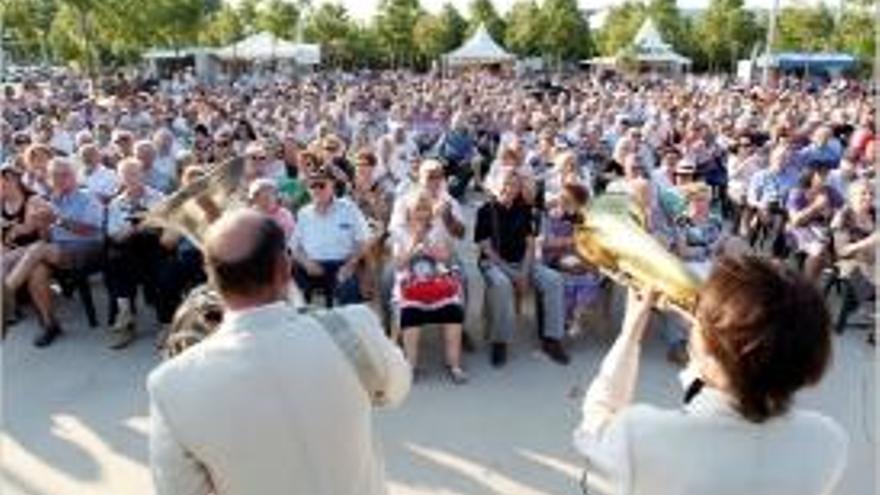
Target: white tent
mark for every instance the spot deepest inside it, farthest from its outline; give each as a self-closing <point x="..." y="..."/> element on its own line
<point x="648" y="47"/>
<point x="265" y="46"/>
<point x="479" y="49"/>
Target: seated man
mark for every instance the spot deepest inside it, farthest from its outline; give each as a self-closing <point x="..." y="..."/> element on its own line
<point x="74" y="244"/>
<point x="135" y="254"/>
<point x="505" y="232"/>
<point x="330" y="239"/>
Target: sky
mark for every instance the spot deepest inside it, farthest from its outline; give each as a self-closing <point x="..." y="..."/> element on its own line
<point x="365" y="9"/>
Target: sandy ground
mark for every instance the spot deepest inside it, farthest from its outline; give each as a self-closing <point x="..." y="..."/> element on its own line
<point x="75" y="415"/>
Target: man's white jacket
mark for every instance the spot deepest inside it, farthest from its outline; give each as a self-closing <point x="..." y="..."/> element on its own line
<point x="272" y="404"/>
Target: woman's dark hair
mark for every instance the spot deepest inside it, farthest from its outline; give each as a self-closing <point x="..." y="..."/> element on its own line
<point x="253" y="272"/>
<point x="805" y="179"/>
<point x="768" y="328"/>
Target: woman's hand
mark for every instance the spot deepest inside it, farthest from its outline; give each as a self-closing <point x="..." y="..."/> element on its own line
<point x="639" y="305"/>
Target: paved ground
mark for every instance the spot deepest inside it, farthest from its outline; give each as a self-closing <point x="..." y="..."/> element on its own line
<point x="75" y="417"/>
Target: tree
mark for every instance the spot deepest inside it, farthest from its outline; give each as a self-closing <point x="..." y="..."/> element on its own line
<point x="27" y="24"/>
<point x="805" y="28"/>
<point x="223" y="27"/>
<point x="855" y="32"/>
<point x="566" y="35"/>
<point x="672" y="26"/>
<point x="621" y="25"/>
<point x="429" y="36"/>
<point x="456" y="26"/>
<point x="483" y="12"/>
<point x="524" y="31"/>
<point x="395" y="23"/>
<point x="279" y="17"/>
<point x="435" y="35"/>
<point x="726" y="33"/>
<point x="330" y="26"/>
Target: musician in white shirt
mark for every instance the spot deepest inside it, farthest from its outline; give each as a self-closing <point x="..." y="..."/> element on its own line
<point x="759" y="335"/>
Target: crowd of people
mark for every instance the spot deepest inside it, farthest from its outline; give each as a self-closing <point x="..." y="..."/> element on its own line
<point x="386" y="184"/>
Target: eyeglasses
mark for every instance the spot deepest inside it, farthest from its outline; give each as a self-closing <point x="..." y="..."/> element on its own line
<point x="317" y="186"/>
<point x="258" y="158"/>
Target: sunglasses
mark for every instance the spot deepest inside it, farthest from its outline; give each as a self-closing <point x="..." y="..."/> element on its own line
<point x="259" y="158"/>
<point x="317" y="186"/>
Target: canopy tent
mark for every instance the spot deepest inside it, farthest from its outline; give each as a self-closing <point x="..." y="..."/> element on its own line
<point x="480" y="49"/>
<point x="265" y="46"/>
<point x="648" y="47"/>
<point x="646" y="51"/>
<point x="832" y="62"/>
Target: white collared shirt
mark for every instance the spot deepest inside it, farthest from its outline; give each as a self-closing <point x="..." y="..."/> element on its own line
<point x="332" y="236"/>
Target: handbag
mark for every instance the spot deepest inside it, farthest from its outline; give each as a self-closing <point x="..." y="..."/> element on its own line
<point x="427" y="283"/>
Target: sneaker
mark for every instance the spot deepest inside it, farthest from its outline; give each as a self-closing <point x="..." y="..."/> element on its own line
<point x="554" y="350"/>
<point x="457" y="375"/>
<point x="499" y="354"/>
<point x="124" y="319"/>
<point x="49" y="334"/>
<point x="121" y="337"/>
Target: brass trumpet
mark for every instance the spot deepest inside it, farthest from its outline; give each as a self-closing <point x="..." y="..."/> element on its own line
<point x="612" y="236"/>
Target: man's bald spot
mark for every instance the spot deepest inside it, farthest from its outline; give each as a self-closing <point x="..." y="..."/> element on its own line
<point x="233" y="236"/>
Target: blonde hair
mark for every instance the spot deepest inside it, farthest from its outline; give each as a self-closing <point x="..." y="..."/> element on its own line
<point x="417" y="200"/>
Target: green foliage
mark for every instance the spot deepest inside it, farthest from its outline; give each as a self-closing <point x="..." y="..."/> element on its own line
<point x="279" y="17"/>
<point x="395" y="23"/>
<point x="483" y="12"/>
<point x="93" y="32"/>
<point x="621" y="26"/>
<point x="856" y="32"/>
<point x="727" y="32"/>
<point x="524" y="30"/>
<point x="566" y="35"/>
<point x="805" y="28"/>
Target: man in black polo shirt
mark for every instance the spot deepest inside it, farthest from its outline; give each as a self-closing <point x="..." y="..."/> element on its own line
<point x="505" y="233"/>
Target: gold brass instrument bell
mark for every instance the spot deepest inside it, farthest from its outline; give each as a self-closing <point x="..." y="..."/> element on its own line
<point x="613" y="237"/>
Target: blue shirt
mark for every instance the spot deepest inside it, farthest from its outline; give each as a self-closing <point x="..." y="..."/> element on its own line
<point x="79" y="207"/>
<point x="768" y="186"/>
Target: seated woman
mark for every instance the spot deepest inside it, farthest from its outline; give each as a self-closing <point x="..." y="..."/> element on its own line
<point x="855" y="242"/>
<point x="426" y="291"/>
<point x="372" y="190"/>
<point x="582" y="282"/>
<point x="263" y="196"/>
<point x="759" y="335"/>
<point x="25" y="221"/>
<point x="810" y="207"/>
<point x="700" y="233"/>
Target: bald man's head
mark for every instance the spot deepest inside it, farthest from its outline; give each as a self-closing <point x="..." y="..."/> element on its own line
<point x="245" y="256"/>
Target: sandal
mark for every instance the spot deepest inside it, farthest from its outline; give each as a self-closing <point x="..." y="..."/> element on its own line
<point x="457" y="375"/>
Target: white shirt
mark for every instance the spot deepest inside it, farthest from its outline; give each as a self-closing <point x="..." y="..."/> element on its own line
<point x="704" y="448"/>
<point x="123" y="207"/>
<point x="101" y="181"/>
<point x="272" y="404"/>
<point x="397" y="222"/>
<point x="332" y="236"/>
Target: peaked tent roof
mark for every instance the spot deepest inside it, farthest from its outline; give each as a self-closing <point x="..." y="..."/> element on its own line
<point x="479" y="49"/>
<point x="265" y="45"/>
<point x="649" y="46"/>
